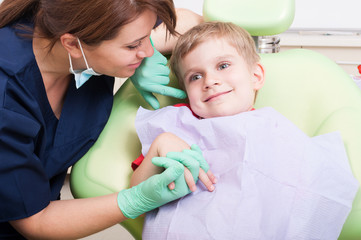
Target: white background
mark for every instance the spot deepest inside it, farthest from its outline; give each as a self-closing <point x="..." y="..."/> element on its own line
<point x="311" y="14"/>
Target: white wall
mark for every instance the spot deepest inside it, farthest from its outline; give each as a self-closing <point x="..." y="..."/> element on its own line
<point x="311" y="14"/>
<point x="194" y="5"/>
<point x="326" y="14"/>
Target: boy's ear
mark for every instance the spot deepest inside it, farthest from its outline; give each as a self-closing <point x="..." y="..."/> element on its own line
<point x="258" y="76"/>
<point x="70" y="43"/>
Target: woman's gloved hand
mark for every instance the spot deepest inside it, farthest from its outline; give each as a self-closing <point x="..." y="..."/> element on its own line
<point x="153" y="77"/>
<point x="194" y="169"/>
<point x="154" y="192"/>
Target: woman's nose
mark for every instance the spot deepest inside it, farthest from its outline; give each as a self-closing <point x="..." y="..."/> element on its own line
<point x="146" y="50"/>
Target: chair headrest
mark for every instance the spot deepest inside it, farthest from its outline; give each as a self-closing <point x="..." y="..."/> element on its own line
<point x="258" y="17"/>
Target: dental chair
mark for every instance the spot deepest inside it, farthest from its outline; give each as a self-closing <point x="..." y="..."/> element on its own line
<point x="306" y="87"/>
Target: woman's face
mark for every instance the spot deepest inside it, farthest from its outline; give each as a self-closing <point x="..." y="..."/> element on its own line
<point x="121" y="56"/>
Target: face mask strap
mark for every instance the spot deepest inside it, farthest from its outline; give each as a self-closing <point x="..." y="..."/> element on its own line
<point x="81" y="48"/>
<point x="71" y="64"/>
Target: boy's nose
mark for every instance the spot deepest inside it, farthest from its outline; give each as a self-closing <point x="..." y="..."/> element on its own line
<point x="210" y="81"/>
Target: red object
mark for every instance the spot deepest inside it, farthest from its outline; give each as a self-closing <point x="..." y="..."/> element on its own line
<point x="359" y="68"/>
<point x="137" y="162"/>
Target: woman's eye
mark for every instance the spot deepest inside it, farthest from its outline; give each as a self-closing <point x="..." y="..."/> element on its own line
<point x="132" y="47"/>
<point x="223" y="66"/>
<point x="195" y="77"/>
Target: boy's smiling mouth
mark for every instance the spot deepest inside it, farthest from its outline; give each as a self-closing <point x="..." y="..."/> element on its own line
<point x="215" y="96"/>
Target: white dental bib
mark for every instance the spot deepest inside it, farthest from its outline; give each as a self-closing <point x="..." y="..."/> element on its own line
<point x="274" y="182"/>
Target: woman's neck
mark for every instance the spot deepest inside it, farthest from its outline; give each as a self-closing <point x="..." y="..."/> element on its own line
<point x="54" y="69"/>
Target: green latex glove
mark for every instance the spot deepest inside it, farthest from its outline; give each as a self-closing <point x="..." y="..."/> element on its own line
<point x="197" y="153"/>
<point x="187" y="157"/>
<point x="152" y="76"/>
<point x="154" y="192"/>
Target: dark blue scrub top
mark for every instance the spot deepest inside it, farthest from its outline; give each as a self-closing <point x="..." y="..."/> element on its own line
<point x="36" y="148"/>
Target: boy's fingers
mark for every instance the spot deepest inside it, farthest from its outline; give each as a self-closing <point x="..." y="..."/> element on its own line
<point x="211" y="177"/>
<point x="171" y="186"/>
<point x="208" y="183"/>
<point x="189" y="180"/>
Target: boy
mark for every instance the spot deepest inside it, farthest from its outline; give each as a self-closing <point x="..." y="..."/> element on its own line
<point x="271" y="180"/>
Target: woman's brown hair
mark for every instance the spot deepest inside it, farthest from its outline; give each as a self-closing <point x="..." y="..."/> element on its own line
<point x="92" y="21"/>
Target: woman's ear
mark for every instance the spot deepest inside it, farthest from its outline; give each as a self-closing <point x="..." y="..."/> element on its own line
<point x="258" y="76"/>
<point x="71" y="45"/>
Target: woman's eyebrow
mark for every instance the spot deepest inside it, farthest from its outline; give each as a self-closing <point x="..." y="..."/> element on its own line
<point x="137" y="40"/>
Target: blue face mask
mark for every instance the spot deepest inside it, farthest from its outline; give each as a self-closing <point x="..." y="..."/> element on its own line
<point x="81" y="76"/>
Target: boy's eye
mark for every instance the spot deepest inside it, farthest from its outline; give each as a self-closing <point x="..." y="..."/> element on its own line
<point x="195" y="77"/>
<point x="223" y="66"/>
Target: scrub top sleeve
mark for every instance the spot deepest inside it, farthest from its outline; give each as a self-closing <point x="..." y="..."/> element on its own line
<point x="24" y="186"/>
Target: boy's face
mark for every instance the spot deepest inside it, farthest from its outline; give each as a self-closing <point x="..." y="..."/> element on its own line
<point x="218" y="80"/>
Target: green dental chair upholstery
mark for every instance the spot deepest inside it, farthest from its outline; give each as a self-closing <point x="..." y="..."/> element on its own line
<point x="306" y="87"/>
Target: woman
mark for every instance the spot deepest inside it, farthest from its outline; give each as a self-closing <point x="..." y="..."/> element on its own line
<point x="48" y="121"/>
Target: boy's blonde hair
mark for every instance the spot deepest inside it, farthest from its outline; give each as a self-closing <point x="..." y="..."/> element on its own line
<point x="235" y="35"/>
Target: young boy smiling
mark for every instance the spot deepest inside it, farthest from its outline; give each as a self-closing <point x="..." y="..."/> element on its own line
<point x="219" y="68"/>
<point x="220" y="82"/>
<point x="270" y="176"/>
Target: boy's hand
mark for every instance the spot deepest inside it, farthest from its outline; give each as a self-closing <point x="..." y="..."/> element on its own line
<point x="194" y="169"/>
